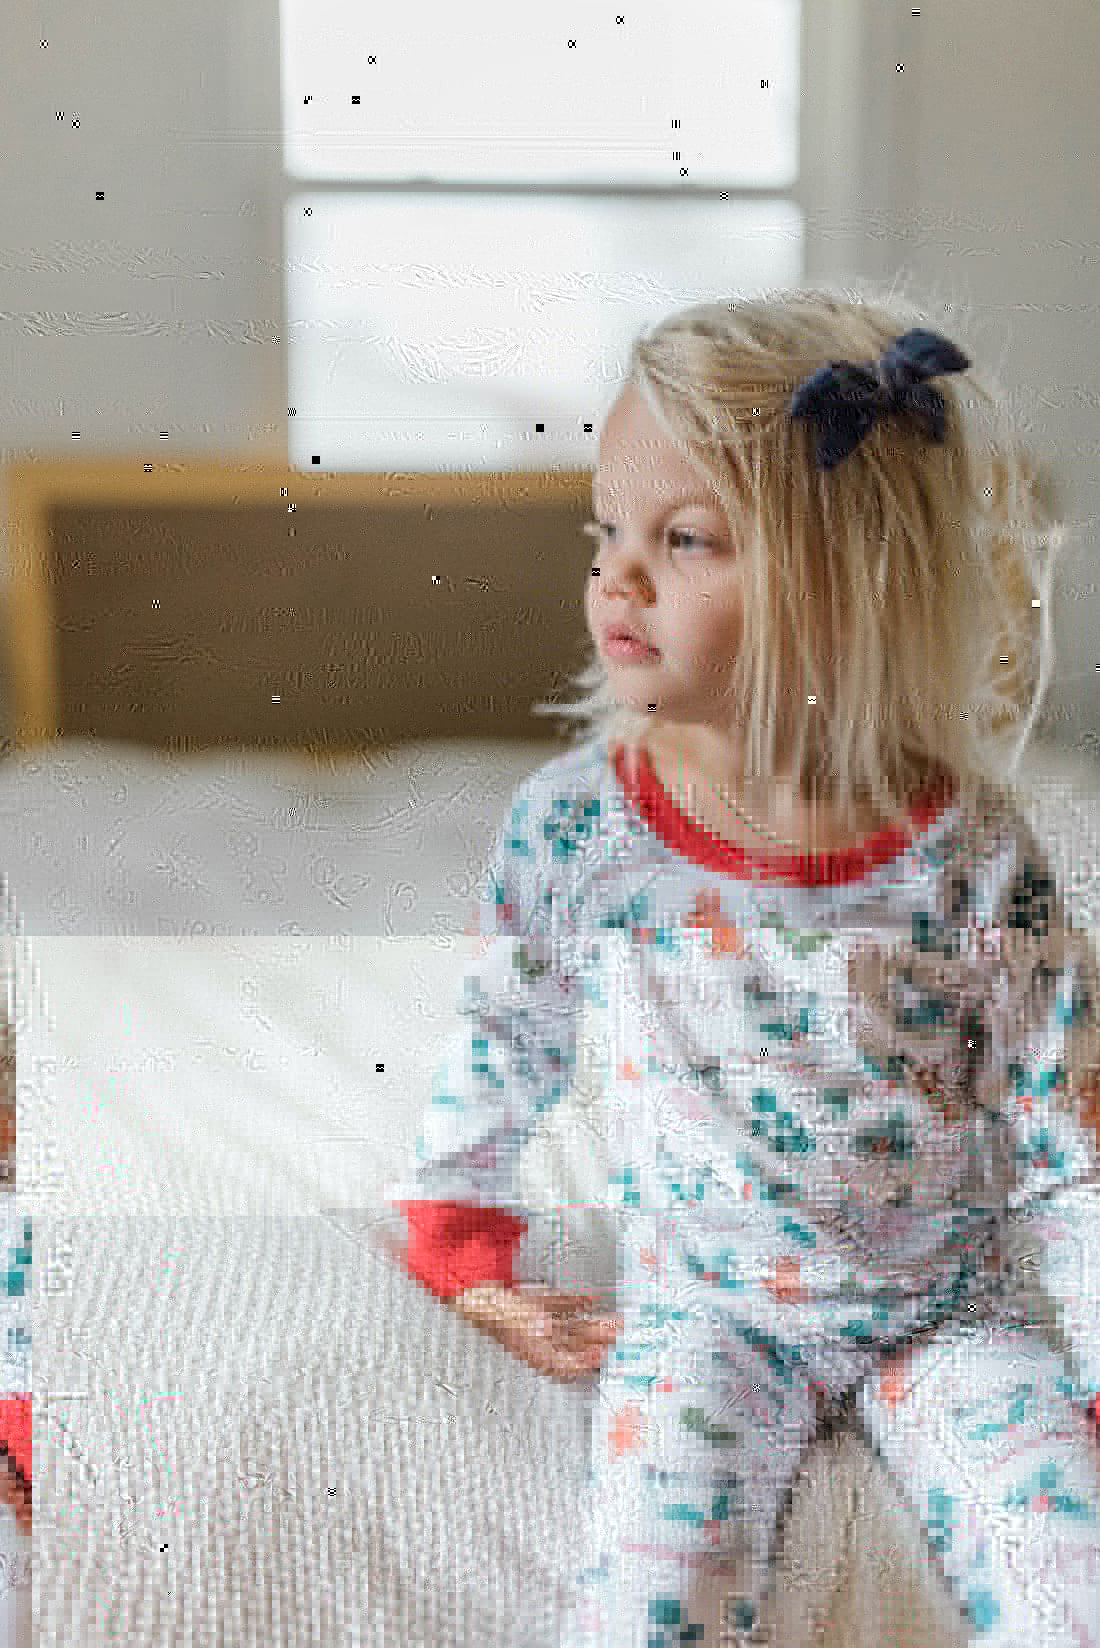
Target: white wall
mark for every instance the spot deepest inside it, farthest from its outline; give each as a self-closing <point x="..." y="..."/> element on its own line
<point x="970" y="170"/>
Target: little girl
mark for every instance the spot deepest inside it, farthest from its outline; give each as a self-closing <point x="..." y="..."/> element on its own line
<point x="850" y="1035"/>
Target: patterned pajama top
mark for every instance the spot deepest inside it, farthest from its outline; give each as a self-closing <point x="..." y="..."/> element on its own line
<point x="877" y="1053"/>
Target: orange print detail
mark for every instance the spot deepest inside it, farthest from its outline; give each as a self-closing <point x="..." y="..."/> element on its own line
<point x="786" y="1284"/>
<point x="892" y="1384"/>
<point x="648" y="1258"/>
<point x="626" y="1431"/>
<point x="1090" y="1103"/>
<point x="628" y="1071"/>
<point x="932" y="1091"/>
<point x="726" y="938"/>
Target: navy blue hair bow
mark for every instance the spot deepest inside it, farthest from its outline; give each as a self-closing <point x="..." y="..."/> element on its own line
<point x="846" y="400"/>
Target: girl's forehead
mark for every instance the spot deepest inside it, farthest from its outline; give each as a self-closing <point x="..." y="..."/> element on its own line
<point x="663" y="479"/>
<point x="652" y="494"/>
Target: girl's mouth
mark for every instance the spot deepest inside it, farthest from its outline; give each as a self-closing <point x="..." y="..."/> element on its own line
<point x="619" y="646"/>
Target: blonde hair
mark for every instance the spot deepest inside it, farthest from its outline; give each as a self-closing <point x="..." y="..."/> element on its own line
<point x="903" y="591"/>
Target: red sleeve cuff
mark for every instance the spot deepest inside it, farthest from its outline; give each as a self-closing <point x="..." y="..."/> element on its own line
<point x="453" y="1246"/>
<point x="15" y="1432"/>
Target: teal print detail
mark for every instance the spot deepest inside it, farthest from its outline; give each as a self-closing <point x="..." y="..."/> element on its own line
<point x="1081" y="1005"/>
<point x="696" y="1421"/>
<point x="860" y="1330"/>
<point x="574" y="822"/>
<point x="937" y="853"/>
<point x="757" y="998"/>
<point x="930" y="1012"/>
<point x="479" y="1061"/>
<point x="697" y="1516"/>
<point x="720" y="1506"/>
<point x="849" y="1288"/>
<point x="1021" y="1402"/>
<point x="934" y="937"/>
<point x="780" y="1190"/>
<point x="892" y="1137"/>
<point x="1052" y="1079"/>
<point x="709" y="1078"/>
<point x="518" y="844"/>
<point x="691" y="1194"/>
<point x="667" y="1614"/>
<point x="529" y="969"/>
<point x="890" y="1069"/>
<point x="740" y="1615"/>
<point x="801" y="1233"/>
<point x="780" y="1358"/>
<point x="837" y="1100"/>
<point x="633" y="915"/>
<point x="983" y="1611"/>
<point x="1038" y="1151"/>
<point x="689" y="1514"/>
<point x="629" y="1176"/>
<point x="940" y="1520"/>
<point x="777" y="1030"/>
<point x="724" y="1276"/>
<point x="1031" y="899"/>
<point x="789" y="1137"/>
<point x="15" y="1281"/>
<point x="1040" y="1492"/>
<point x="800" y="944"/>
<point x="1075" y="1391"/>
<point x="502" y="904"/>
<point x="667" y="939"/>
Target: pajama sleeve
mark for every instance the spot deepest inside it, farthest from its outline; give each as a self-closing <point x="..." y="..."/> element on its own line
<point x="15" y="1434"/>
<point x="15" y="1410"/>
<point x="1041" y="1074"/>
<point x="512" y="1057"/>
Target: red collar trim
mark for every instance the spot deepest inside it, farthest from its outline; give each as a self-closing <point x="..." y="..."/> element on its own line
<point x="680" y="832"/>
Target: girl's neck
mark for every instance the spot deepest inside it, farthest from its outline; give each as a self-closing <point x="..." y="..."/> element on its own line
<point x="810" y="826"/>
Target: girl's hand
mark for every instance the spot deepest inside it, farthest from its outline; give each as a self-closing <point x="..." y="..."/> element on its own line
<point x="563" y="1335"/>
<point x="16" y="1495"/>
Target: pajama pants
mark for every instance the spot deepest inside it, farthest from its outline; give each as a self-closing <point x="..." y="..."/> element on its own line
<point x="703" y="1416"/>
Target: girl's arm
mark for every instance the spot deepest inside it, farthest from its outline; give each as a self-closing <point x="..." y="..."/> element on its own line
<point x="512" y="1058"/>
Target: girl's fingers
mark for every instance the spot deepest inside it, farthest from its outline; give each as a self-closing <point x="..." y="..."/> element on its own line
<point x="574" y="1367"/>
<point x="600" y="1325"/>
<point x="568" y="1304"/>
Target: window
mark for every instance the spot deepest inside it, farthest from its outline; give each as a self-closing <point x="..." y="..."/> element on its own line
<point x="483" y="205"/>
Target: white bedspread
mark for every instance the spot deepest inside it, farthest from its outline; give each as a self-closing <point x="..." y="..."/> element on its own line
<point x="251" y="1427"/>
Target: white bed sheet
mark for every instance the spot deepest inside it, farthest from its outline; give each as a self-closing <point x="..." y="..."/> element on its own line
<point x="101" y="838"/>
<point x="251" y="1426"/>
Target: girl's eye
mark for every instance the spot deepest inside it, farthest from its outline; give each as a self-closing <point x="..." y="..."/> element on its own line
<point x="595" y="529"/>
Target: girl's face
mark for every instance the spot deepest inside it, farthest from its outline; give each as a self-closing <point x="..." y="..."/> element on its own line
<point x="668" y="570"/>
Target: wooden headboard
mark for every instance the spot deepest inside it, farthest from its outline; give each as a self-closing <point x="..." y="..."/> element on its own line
<point x="191" y="605"/>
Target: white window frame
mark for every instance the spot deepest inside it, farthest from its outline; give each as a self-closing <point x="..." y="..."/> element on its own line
<point x="854" y="125"/>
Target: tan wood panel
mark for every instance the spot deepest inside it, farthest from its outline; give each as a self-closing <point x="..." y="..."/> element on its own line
<point x="200" y="605"/>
